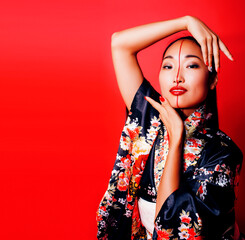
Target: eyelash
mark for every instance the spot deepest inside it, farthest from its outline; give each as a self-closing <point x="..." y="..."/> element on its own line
<point x="189" y="66"/>
<point x="167" y="67"/>
<point x="193" y="66"/>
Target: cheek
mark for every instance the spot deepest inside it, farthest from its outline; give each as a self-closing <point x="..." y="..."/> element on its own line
<point x="165" y="81"/>
<point x="200" y="87"/>
<point x="164" y="86"/>
<point x="197" y="78"/>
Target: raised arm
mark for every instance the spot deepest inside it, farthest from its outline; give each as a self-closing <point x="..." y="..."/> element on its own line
<point x="126" y="44"/>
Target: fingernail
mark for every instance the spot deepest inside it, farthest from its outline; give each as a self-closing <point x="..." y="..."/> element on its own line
<point x="207" y="63"/>
<point x="210" y="69"/>
<point x="162" y="99"/>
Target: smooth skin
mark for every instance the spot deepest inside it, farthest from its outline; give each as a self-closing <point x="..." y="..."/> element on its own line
<point x="183" y="65"/>
<point x="125" y="45"/>
<point x="170" y="179"/>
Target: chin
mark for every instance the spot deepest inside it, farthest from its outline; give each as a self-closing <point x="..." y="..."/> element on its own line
<point x="183" y="105"/>
<point x="173" y="103"/>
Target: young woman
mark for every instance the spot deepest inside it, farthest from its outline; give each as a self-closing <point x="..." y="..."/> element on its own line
<point x="175" y="171"/>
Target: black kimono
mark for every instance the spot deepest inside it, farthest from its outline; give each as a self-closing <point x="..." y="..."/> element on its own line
<point x="202" y="206"/>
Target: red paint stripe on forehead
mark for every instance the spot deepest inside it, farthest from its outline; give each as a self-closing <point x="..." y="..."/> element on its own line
<point x="177" y="76"/>
<point x="179" y="60"/>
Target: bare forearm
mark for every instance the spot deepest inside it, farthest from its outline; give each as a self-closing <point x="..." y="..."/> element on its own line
<point x="170" y="178"/>
<point x="127" y="43"/>
<point x="138" y="38"/>
<point x="171" y="175"/>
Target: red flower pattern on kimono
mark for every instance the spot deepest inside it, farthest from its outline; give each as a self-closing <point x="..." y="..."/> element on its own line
<point x="123" y="182"/>
<point x="190" y="156"/>
<point x="217" y="169"/>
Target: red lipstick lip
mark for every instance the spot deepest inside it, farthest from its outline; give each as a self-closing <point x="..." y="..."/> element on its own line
<point x="177" y="90"/>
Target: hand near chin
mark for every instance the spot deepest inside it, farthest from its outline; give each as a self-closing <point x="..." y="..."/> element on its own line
<point x="170" y="118"/>
<point x="209" y="41"/>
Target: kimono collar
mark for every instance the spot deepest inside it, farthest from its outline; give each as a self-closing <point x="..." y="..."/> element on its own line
<point x="196" y="121"/>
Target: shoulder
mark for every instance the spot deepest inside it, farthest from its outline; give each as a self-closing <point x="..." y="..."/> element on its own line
<point x="227" y="142"/>
<point x="223" y="146"/>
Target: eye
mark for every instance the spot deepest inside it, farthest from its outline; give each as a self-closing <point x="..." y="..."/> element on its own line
<point x="193" y="66"/>
<point x="167" y="67"/>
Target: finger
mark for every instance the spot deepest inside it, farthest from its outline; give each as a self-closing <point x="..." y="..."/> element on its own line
<point x="225" y="50"/>
<point x="204" y="50"/>
<point x="216" y="53"/>
<point x="164" y="101"/>
<point x="210" y="53"/>
<point x="154" y="104"/>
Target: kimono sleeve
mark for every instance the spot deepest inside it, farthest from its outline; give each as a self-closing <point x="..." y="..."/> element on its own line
<point x="114" y="215"/>
<point x="142" y="109"/>
<point x="203" y="205"/>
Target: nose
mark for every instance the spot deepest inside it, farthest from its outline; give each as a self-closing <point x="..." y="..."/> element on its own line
<point x="179" y="79"/>
<point x="179" y="76"/>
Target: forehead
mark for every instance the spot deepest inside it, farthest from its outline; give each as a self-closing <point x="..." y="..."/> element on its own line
<point x="188" y="47"/>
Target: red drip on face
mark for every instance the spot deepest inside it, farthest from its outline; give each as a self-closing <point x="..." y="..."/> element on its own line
<point x="177" y="76"/>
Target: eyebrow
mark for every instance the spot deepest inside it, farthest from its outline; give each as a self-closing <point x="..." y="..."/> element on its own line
<point x="187" y="56"/>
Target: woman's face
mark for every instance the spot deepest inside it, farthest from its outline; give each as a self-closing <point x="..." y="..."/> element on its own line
<point x="184" y="78"/>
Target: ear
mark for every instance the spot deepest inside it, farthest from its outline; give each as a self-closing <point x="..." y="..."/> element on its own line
<point x="214" y="83"/>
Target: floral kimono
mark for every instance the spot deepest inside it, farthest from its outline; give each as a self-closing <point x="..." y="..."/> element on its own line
<point x="202" y="206"/>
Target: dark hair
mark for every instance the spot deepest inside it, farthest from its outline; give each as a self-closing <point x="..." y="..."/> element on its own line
<point x="211" y="100"/>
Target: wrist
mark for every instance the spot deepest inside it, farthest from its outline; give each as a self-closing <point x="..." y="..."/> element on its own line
<point x="176" y="141"/>
<point x="176" y="145"/>
<point x="186" y="20"/>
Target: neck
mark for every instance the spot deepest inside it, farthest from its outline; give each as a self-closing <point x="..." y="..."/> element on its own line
<point x="185" y="113"/>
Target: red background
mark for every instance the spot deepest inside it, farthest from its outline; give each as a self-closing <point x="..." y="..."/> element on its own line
<point x="62" y="113"/>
